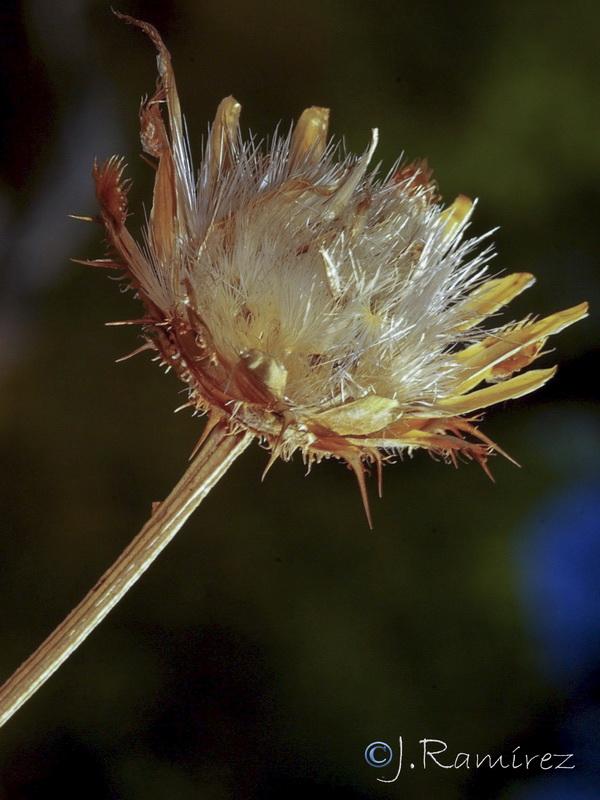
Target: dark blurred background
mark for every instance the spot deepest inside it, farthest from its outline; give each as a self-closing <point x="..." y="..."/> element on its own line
<point x="277" y="636"/>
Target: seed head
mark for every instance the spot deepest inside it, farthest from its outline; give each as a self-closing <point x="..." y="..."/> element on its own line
<point x="305" y="299"/>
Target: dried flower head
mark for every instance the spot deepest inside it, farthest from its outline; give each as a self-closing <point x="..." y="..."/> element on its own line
<point x="308" y="301"/>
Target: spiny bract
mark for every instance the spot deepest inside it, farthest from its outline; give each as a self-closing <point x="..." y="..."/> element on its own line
<point x="306" y="300"/>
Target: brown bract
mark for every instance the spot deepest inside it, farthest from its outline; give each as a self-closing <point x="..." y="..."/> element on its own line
<point x="298" y="385"/>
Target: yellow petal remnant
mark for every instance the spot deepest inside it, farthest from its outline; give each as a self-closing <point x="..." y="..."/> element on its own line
<point x="312" y="303"/>
<point x="492" y="295"/>
<point x="309" y="138"/>
<point x="513" y="346"/>
<point x="515" y="387"/>
<point x="359" y="417"/>
<point x="456" y="215"/>
<point x="224" y="135"/>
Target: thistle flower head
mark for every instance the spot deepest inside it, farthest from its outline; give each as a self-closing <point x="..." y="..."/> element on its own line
<point x="307" y="300"/>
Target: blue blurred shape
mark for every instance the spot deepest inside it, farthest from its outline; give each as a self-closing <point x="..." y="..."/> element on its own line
<point x="552" y="787"/>
<point x="559" y="567"/>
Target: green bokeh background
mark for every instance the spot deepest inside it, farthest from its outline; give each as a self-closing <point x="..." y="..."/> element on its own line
<point x="277" y="636"/>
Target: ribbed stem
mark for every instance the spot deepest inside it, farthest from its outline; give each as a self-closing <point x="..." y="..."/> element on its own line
<point x="218" y="452"/>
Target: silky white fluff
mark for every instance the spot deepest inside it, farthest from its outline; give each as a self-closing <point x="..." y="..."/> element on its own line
<point x="354" y="284"/>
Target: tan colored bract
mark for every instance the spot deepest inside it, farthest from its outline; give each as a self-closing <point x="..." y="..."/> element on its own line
<point x="311" y="303"/>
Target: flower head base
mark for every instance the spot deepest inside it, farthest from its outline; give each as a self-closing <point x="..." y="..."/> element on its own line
<point x="304" y="299"/>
